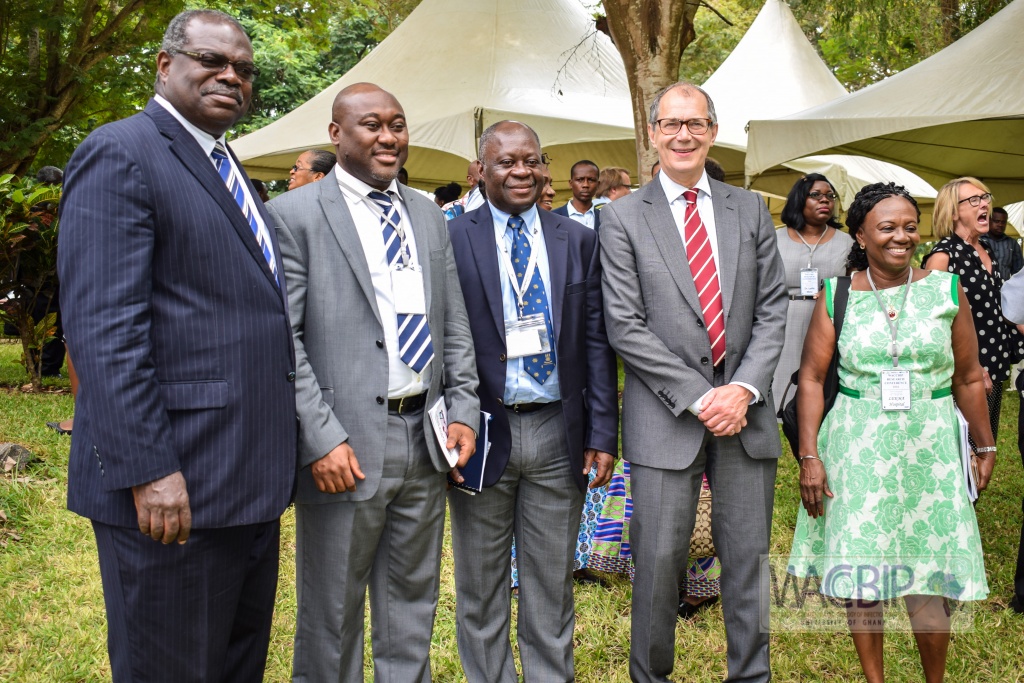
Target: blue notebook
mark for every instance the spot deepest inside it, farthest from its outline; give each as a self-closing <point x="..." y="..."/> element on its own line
<point x="473" y="472"/>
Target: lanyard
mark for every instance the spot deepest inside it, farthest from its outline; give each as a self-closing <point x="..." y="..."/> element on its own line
<point x="810" y="257"/>
<point x="891" y="314"/>
<point x="510" y="270"/>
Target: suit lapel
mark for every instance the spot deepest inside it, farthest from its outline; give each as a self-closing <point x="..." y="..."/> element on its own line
<point x="191" y="155"/>
<point x="344" y="228"/>
<point x="727" y="227"/>
<point x="485" y="255"/>
<point x="662" y="225"/>
<point x="556" y="239"/>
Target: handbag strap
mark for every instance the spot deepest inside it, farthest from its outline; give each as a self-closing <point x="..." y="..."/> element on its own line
<point x="839" y="299"/>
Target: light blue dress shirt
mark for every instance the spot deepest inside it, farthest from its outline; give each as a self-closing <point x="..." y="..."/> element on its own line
<point x="520" y="387"/>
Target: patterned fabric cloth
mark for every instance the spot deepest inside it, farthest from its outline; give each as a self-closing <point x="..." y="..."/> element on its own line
<point x="900" y="504"/>
<point x="611" y="551"/>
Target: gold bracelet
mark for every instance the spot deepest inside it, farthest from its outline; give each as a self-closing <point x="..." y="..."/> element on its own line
<point x="801" y="458"/>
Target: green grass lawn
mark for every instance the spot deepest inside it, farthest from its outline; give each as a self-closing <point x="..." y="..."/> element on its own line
<point x="52" y="625"/>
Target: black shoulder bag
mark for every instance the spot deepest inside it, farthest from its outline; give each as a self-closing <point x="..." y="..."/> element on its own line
<point x="787" y="413"/>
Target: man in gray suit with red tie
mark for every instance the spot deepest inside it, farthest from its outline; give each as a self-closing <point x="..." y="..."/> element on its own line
<point x="175" y="309"/>
<point x="696" y="307"/>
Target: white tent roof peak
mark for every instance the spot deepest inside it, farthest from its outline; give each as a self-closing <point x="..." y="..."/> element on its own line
<point x="959" y="112"/>
<point x="457" y="67"/>
<point x="773" y="71"/>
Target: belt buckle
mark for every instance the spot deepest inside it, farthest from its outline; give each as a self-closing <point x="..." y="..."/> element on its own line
<point x="401" y="405"/>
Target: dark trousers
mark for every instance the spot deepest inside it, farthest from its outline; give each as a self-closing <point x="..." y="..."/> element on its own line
<point x="1018" y="577"/>
<point x="193" y="613"/>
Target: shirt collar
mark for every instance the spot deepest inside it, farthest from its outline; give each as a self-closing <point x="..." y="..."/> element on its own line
<point x="501" y="219"/>
<point x="357" y="190"/>
<point x="574" y="212"/>
<point x="205" y="140"/>
<point x="673" y="189"/>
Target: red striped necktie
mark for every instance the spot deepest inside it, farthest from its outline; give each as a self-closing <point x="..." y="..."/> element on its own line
<point x="705" y="275"/>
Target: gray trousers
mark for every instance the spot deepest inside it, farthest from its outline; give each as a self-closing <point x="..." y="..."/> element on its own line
<point x="390" y="543"/>
<point x="664" y="512"/>
<point x="537" y="499"/>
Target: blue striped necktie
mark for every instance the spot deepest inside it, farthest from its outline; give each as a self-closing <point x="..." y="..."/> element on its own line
<point x="415" y="348"/>
<point x="234" y="183"/>
<point x="535" y="299"/>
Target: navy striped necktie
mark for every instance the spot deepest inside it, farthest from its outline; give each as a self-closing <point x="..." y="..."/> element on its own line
<point x="415" y="347"/>
<point x="234" y="184"/>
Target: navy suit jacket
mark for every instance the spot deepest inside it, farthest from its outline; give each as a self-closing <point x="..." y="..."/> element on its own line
<point x="563" y="210"/>
<point x="585" y="361"/>
<point x="179" y="334"/>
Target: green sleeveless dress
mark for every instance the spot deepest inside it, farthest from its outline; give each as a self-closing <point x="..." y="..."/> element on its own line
<point x="900" y="522"/>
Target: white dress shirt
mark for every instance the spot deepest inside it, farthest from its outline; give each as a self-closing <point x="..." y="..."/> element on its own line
<point x="706" y="208"/>
<point x="402" y="380"/>
<point x="208" y="142"/>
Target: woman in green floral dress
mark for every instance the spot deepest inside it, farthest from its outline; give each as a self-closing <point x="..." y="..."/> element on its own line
<point x="885" y="506"/>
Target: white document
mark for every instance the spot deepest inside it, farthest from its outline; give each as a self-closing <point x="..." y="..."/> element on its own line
<point x="969" y="469"/>
<point x="438" y="414"/>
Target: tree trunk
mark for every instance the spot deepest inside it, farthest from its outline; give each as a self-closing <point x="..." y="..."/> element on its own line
<point x="651" y="36"/>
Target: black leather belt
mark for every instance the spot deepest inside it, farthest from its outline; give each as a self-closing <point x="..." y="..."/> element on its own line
<point x="407" y="404"/>
<point x="801" y="298"/>
<point x="530" y="407"/>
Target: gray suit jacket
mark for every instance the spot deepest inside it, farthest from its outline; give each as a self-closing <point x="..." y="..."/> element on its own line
<point x="654" y="321"/>
<point x="341" y="361"/>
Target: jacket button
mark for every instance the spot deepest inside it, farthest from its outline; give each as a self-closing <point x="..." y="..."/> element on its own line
<point x="501" y="402"/>
<point x="700" y="323"/>
<point x="291" y="376"/>
<point x="380" y="343"/>
<point x="380" y="400"/>
<point x="501" y="358"/>
<point x="703" y="360"/>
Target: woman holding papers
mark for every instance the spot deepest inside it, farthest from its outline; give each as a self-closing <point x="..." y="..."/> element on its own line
<point x="885" y="506"/>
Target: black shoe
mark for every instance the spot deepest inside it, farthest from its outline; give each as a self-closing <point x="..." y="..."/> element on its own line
<point x="55" y="426"/>
<point x="582" y="576"/>
<point x="1017" y="602"/>
<point x="688" y="611"/>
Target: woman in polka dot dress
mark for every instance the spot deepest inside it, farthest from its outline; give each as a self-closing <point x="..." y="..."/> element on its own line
<point x="961" y="217"/>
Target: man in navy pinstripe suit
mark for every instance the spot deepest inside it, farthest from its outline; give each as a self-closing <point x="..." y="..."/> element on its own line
<point x="177" y="317"/>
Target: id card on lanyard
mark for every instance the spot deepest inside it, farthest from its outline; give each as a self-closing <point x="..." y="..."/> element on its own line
<point x="527" y="335"/>
<point x="895" y="383"/>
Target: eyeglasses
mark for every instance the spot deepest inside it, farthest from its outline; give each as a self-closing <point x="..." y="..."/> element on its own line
<point x="977" y="199"/>
<point x="296" y="168"/>
<point x="673" y="126"/>
<point x="818" y="196"/>
<point x="216" y="62"/>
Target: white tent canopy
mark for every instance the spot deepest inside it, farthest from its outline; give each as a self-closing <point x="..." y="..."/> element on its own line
<point x="457" y="67"/>
<point x="774" y="71"/>
<point x="959" y="112"/>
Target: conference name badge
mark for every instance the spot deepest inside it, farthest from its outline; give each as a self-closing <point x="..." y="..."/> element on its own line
<point x="407" y="287"/>
<point x="527" y="336"/>
<point x="895" y="389"/>
<point x="808" y="281"/>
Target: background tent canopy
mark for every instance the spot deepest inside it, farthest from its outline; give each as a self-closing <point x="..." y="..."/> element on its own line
<point x="508" y="59"/>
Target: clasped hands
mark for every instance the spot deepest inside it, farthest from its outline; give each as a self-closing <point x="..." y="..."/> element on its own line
<point x="724" y="409"/>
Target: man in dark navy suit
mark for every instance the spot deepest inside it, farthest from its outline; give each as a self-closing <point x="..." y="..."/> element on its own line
<point x="176" y="315"/>
<point x="583" y="181"/>
<point x="532" y="284"/>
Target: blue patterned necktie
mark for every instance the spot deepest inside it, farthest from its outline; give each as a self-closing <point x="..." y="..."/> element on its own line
<point x="415" y="348"/>
<point x="535" y="299"/>
<point x="234" y="183"/>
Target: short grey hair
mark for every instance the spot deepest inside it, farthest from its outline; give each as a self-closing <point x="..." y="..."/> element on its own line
<point x="492" y="131"/>
<point x="176" y="35"/>
<point x="652" y="116"/>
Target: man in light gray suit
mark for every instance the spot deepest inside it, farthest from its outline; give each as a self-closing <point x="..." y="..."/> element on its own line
<point x="695" y="305"/>
<point x="379" y="324"/>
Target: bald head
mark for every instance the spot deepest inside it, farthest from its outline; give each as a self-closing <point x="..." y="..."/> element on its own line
<point x="369" y="132"/>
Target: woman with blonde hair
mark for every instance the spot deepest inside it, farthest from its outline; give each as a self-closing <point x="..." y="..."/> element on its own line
<point x="611" y="184"/>
<point x="961" y="216"/>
